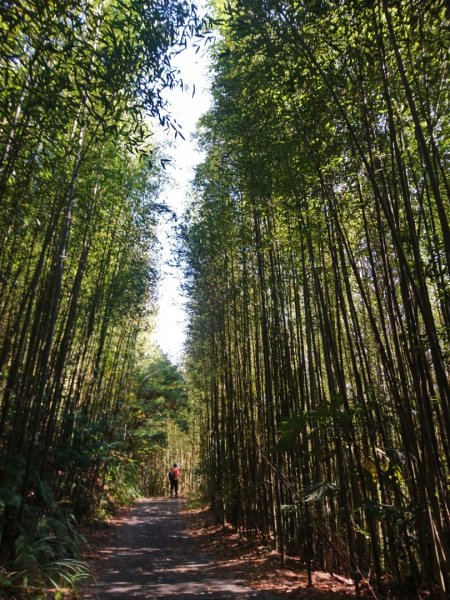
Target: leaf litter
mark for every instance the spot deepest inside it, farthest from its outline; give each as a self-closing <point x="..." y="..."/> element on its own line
<point x="260" y="566"/>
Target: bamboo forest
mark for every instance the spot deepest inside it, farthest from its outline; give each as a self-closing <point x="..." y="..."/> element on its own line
<point x="312" y="406"/>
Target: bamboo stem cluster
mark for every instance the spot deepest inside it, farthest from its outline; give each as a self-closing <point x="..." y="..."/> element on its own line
<point x="77" y="224"/>
<point x="317" y="256"/>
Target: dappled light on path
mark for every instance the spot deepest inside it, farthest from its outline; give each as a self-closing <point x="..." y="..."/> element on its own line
<point x="153" y="557"/>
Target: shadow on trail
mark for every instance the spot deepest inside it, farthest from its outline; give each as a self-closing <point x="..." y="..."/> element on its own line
<point x="152" y="557"/>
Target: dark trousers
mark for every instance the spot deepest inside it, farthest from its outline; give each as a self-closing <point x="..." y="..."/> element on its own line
<point x="174" y="487"/>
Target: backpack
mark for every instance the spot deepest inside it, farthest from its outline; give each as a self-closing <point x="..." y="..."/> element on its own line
<point x="171" y="475"/>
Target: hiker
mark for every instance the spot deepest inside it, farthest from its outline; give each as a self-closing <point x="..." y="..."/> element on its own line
<point x="174" y="476"/>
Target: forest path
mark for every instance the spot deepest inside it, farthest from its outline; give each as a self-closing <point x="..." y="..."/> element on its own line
<point x="153" y="557"/>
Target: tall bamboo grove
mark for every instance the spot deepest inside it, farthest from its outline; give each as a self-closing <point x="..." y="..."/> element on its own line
<point x="317" y="252"/>
<point x="77" y="268"/>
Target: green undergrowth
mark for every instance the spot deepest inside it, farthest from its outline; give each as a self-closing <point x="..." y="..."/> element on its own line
<point x="50" y="579"/>
<point x="195" y="501"/>
<point x="41" y="551"/>
<point x="45" y="562"/>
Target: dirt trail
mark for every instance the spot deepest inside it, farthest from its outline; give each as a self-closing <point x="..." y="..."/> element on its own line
<point x="153" y="557"/>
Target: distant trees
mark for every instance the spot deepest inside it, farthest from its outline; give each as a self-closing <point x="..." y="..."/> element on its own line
<point x="77" y="223"/>
<point x="164" y="428"/>
<point x="317" y="252"/>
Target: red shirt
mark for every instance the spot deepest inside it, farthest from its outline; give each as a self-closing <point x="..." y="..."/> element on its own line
<point x="176" y="472"/>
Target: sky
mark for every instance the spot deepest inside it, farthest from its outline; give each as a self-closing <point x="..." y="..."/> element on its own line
<point x="169" y="333"/>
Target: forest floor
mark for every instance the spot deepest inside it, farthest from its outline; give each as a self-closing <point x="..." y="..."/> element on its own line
<point x="159" y="550"/>
<point x="260" y="566"/>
